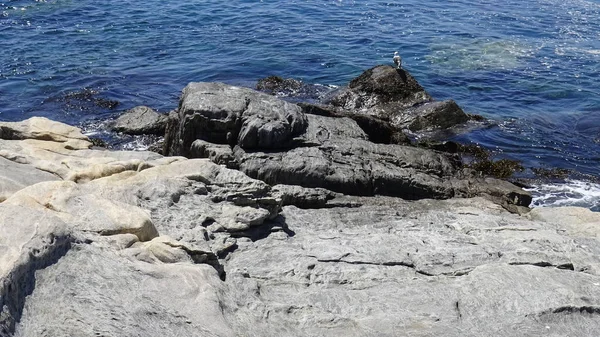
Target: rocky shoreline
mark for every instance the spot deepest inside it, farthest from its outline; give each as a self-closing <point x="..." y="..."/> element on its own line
<point x="263" y="217"/>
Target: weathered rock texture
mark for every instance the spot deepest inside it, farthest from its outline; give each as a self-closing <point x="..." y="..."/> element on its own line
<point x="274" y="141"/>
<point x="136" y="244"/>
<point x="220" y="113"/>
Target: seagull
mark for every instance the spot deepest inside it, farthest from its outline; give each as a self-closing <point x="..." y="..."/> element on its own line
<point x="397" y="60"/>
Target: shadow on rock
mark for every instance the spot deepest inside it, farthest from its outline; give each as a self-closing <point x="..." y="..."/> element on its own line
<point x="269" y="227"/>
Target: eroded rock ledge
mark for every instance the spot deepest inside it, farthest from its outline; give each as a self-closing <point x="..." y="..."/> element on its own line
<point x="295" y="239"/>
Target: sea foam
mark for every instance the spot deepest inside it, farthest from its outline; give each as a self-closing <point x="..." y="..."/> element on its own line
<point x="570" y="193"/>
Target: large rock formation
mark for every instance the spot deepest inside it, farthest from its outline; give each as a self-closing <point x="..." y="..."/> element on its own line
<point x="220" y="113"/>
<point x="395" y="95"/>
<point x="133" y="243"/>
<point x="276" y="143"/>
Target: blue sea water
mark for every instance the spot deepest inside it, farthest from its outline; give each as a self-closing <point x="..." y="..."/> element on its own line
<point x="531" y="65"/>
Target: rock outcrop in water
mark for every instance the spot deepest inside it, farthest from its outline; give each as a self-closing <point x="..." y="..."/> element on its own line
<point x="307" y="232"/>
<point x="275" y="142"/>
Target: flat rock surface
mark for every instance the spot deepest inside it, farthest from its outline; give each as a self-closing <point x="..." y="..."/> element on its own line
<point x="16" y="176"/>
<point x="426" y="268"/>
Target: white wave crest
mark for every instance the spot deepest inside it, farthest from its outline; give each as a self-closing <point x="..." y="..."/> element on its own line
<point x="571" y="193"/>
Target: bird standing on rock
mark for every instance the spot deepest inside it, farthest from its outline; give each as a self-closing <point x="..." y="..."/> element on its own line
<point x="397" y="60"/>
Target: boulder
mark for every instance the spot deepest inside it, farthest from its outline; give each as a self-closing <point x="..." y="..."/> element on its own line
<point x="224" y="114"/>
<point x="359" y="167"/>
<point x="395" y="96"/>
<point x="441" y="115"/>
<point x="141" y="120"/>
<point x="377" y="129"/>
<point x="380" y="91"/>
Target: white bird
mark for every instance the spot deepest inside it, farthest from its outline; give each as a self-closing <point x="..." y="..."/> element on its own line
<point x="397" y="60"/>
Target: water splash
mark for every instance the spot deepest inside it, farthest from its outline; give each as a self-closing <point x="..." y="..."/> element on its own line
<point x="570" y="193"/>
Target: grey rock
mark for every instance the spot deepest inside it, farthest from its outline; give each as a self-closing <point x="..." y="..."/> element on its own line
<point x="426" y="268"/>
<point x="276" y="84"/>
<point x="322" y="129"/>
<point x="355" y="168"/>
<point x="228" y="261"/>
<point x="141" y="120"/>
<point x="217" y="153"/>
<point x="442" y="115"/>
<point x="94" y="291"/>
<point x="377" y="129"/>
<point x="224" y="114"/>
<point x="302" y="197"/>
<point x="359" y="167"/>
<point x="30" y="240"/>
<point x="16" y="176"/>
<point x="85" y="259"/>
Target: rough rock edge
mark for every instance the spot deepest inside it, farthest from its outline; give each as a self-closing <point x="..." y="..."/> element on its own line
<point x="20" y="282"/>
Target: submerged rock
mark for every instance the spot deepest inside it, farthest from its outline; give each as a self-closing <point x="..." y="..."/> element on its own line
<point x="275" y="84"/>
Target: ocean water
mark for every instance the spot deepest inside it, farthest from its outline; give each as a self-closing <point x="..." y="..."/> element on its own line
<point x="533" y="66"/>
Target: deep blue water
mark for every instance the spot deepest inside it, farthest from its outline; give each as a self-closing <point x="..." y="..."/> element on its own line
<point x="531" y="65"/>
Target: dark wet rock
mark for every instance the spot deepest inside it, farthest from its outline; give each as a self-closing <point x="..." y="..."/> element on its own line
<point x="83" y="100"/>
<point x="320" y="109"/>
<point x="442" y="115"/>
<point x="322" y="129"/>
<point x="141" y="120"/>
<point x="447" y="146"/>
<point x="274" y="84"/>
<point x="394" y="95"/>
<point x="380" y="91"/>
<point x="551" y="173"/>
<point x="171" y="142"/>
<point x="360" y="167"/>
<point x="292" y="89"/>
<point x="502" y="168"/>
<point x="224" y="114"/>
<point x="98" y="142"/>
<point x="378" y="130"/>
